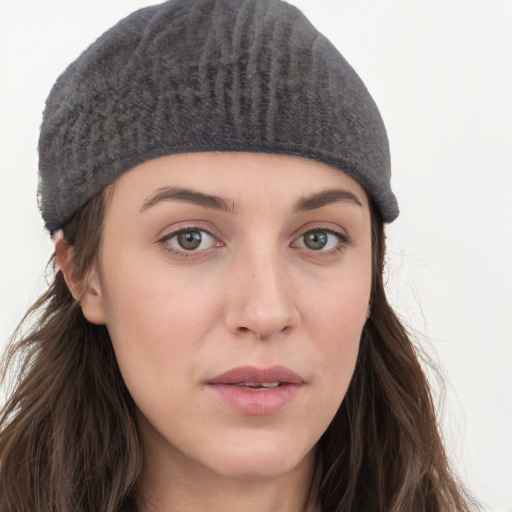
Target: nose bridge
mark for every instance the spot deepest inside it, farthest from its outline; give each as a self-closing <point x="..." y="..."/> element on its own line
<point x="261" y="300"/>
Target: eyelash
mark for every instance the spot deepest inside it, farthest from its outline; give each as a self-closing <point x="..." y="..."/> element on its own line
<point x="343" y="241"/>
<point x="183" y="253"/>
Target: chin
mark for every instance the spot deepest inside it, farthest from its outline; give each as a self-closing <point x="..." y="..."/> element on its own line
<point x="259" y="461"/>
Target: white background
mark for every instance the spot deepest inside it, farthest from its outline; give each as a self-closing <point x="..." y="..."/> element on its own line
<point x="441" y="74"/>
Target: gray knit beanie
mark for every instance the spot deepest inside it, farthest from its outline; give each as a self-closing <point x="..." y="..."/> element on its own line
<point x="207" y="75"/>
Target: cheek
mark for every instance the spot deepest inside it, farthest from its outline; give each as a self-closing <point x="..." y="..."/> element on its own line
<point x="156" y="322"/>
<point x="339" y="355"/>
<point x="336" y="318"/>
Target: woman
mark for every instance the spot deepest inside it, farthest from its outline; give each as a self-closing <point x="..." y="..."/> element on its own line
<point x="216" y="178"/>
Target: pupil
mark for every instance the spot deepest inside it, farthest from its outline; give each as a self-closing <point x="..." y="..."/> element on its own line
<point x="315" y="240"/>
<point x="189" y="240"/>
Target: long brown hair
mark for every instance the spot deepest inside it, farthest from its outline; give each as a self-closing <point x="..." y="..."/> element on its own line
<point x="68" y="433"/>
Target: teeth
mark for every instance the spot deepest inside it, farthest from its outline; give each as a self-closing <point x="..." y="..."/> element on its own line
<point x="270" y="384"/>
<point x="260" y="384"/>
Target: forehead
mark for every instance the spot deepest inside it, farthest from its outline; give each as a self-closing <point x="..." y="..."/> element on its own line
<point x="238" y="175"/>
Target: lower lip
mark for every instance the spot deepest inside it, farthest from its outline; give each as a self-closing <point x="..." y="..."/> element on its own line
<point x="256" y="401"/>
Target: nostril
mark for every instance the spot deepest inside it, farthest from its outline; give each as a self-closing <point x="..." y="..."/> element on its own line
<point x="260" y="332"/>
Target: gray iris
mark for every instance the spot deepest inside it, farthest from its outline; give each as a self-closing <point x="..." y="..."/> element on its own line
<point x="315" y="240"/>
<point x="189" y="240"/>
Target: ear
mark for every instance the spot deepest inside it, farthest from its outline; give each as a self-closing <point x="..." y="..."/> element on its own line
<point x="86" y="291"/>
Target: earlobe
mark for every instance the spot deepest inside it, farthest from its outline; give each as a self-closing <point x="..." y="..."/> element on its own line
<point x="86" y="291"/>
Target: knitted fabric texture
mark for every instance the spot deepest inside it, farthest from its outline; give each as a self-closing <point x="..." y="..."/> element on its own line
<point x="207" y="75"/>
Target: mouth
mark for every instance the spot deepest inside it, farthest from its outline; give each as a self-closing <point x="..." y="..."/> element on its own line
<point x="259" y="385"/>
<point x="250" y="376"/>
<point x="257" y="391"/>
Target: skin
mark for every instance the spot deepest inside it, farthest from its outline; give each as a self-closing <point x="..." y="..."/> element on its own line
<point x="253" y="293"/>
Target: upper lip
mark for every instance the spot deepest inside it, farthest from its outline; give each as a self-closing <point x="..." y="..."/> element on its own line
<point x="252" y="374"/>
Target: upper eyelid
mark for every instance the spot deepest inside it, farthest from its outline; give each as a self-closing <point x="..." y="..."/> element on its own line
<point x="343" y="239"/>
<point x="215" y="233"/>
<point x="186" y="228"/>
<point x="322" y="226"/>
<point x="328" y="229"/>
<point x="164" y="242"/>
<point x="167" y="233"/>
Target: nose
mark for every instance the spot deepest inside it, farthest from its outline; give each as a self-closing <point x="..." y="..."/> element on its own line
<point x="262" y="302"/>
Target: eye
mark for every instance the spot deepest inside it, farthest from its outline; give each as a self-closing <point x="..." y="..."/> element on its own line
<point x="321" y="240"/>
<point x="189" y="240"/>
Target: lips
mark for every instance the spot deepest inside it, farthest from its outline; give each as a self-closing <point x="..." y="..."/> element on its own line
<point x="257" y="391"/>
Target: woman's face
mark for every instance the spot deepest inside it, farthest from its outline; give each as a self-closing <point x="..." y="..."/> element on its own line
<point x="235" y="287"/>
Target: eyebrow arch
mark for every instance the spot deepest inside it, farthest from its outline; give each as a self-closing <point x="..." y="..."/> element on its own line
<point x="189" y="196"/>
<point x="325" y="197"/>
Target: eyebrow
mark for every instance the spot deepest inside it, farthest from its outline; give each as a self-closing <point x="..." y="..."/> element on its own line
<point x="308" y="203"/>
<point x="187" y="195"/>
<point x="324" y="198"/>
